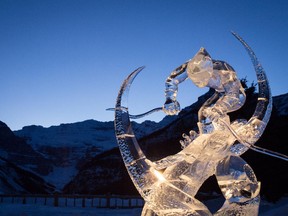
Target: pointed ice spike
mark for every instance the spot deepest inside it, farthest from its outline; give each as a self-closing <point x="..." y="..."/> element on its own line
<point x="264" y="105"/>
<point x="135" y="161"/>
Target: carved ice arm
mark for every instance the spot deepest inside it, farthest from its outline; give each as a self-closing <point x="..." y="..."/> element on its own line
<point x="171" y="105"/>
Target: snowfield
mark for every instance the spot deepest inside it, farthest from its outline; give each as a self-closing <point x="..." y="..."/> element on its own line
<point x="7" y="209"/>
<point x="37" y="210"/>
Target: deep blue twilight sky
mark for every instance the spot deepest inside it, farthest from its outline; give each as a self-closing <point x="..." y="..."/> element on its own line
<point x="62" y="61"/>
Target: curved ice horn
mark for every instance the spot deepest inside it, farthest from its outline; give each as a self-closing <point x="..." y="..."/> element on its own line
<point x="264" y="104"/>
<point x="263" y="109"/>
<point x="138" y="166"/>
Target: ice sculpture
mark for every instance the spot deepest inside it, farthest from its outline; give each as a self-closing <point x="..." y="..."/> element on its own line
<point x="169" y="185"/>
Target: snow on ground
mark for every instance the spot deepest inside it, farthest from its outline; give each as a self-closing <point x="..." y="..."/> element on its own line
<point x="7" y="209"/>
<point x="280" y="211"/>
<point x="279" y="208"/>
<point x="36" y="210"/>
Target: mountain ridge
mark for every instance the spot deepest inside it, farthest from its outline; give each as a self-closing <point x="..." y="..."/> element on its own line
<point x="77" y="156"/>
<point x="165" y="142"/>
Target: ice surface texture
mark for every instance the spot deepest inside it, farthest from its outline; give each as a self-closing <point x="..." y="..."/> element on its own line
<point x="169" y="185"/>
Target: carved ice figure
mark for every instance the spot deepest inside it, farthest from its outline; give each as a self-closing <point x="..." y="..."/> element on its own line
<point x="169" y="185"/>
<point x="205" y="72"/>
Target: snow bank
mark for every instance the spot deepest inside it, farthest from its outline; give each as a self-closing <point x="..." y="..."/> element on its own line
<point x="36" y="210"/>
<point x="6" y="209"/>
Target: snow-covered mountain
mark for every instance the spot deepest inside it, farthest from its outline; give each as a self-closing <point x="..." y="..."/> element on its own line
<point x="80" y="157"/>
<point x="165" y="141"/>
<point x="15" y="149"/>
<point x="280" y="103"/>
<point x="69" y="146"/>
<point x="15" y="180"/>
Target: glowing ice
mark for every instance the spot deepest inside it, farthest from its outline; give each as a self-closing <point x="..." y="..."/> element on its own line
<point x="169" y="185"/>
